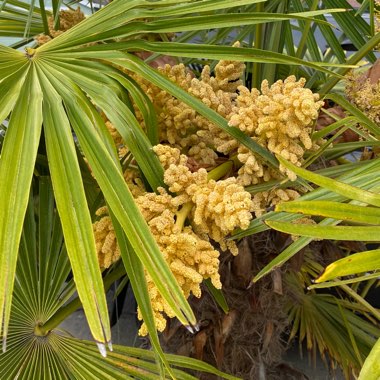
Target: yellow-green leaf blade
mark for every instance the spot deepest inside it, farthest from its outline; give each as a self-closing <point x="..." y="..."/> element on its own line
<point x="349" y="233"/>
<point x="74" y="213"/>
<point x="338" y="187"/>
<point x="336" y="210"/>
<point x="353" y="264"/>
<point x="16" y="171"/>
<point x="371" y="367"/>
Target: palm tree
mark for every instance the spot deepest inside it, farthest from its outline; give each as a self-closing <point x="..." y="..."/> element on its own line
<point x="50" y="101"/>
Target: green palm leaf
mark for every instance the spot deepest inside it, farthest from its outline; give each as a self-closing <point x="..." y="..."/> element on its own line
<point x="328" y="232"/>
<point x="354" y="264"/>
<point x="371" y="367"/>
<point x="74" y="213"/>
<point x="344" y="189"/>
<point x="349" y="212"/>
<point x="16" y="169"/>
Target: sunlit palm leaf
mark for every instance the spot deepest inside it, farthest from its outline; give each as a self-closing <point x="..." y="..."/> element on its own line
<point x="354" y="264"/>
<point x="336" y="210"/>
<point x="371" y="367"/>
<point x="74" y="213"/>
<point x="344" y="189"/>
<point x="328" y="232"/>
<point x="16" y="168"/>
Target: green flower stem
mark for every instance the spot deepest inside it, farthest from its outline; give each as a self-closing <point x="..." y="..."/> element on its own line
<point x="182" y="214"/>
<point x="65" y="311"/>
<point x="221" y="170"/>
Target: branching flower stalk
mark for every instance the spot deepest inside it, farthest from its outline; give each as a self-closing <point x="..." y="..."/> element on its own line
<point x="205" y="170"/>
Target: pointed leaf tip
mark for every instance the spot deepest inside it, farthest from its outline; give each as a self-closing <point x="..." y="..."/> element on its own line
<point x="192" y="328"/>
<point x="102" y="349"/>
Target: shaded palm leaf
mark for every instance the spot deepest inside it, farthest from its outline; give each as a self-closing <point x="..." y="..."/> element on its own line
<point x="328" y="323"/>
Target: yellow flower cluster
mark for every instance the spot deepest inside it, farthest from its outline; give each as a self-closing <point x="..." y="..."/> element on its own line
<point x="105" y="239"/>
<point x="190" y="258"/>
<point x="218" y="206"/>
<point x="280" y="119"/>
<point x="67" y="19"/>
<point x="180" y="125"/>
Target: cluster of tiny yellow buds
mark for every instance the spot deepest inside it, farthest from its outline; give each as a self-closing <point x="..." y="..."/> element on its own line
<point x="228" y="75"/>
<point x="253" y="171"/>
<point x="219" y="208"/>
<point x="153" y="205"/>
<point x="218" y="100"/>
<point x="272" y="197"/>
<point x="203" y="154"/>
<point x="179" y="177"/>
<point x="169" y="155"/>
<point x="67" y="19"/>
<point x="185" y="249"/>
<point x="364" y="94"/>
<point x="190" y="258"/>
<point x="289" y="108"/>
<point x="280" y="119"/>
<point x="175" y="119"/>
<point x="178" y="74"/>
<point x="105" y="239"/>
<point x="247" y="112"/>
